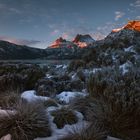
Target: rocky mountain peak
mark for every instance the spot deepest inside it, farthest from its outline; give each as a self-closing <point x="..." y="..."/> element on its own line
<point x="57" y="42"/>
<point x="131" y="25"/>
<point x="83" y="40"/>
<point x="125" y="36"/>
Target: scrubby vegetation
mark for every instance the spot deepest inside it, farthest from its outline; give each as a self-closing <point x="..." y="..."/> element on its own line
<point x="111" y="107"/>
<point x="19" y="76"/>
<point x="113" y="102"/>
<point x="76" y="64"/>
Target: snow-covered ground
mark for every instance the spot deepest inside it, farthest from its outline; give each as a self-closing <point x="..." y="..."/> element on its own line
<point x="125" y="67"/>
<point x="31" y="96"/>
<point x="67" y="96"/>
<point x="130" y="49"/>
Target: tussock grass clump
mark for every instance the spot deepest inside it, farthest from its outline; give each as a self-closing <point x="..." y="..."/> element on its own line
<point x="120" y="118"/>
<point x="28" y="122"/>
<point x="83" y="105"/>
<point x="91" y="132"/>
<point x="50" y="102"/>
<point x="8" y="99"/>
<point x="64" y="116"/>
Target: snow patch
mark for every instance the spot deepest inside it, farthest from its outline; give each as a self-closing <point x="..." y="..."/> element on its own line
<point x="52" y="108"/>
<point x="67" y="96"/>
<point x="48" y="76"/>
<point x="74" y="76"/>
<point x="130" y="49"/>
<point x="31" y="96"/>
<point x="59" y="66"/>
<point x="6" y="112"/>
<point x="65" y="66"/>
<point x="112" y="138"/>
<point x="96" y="70"/>
<point x="124" y="67"/>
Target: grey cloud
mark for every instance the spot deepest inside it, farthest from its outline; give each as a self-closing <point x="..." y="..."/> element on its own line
<point x="135" y="4"/>
<point x="118" y="15"/>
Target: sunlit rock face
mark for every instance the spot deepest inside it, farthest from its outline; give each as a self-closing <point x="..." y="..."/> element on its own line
<point x="83" y="41"/>
<point x="125" y="36"/>
<point x="131" y="25"/>
<point x="58" y="42"/>
<point x="80" y="41"/>
<point x="117" y="30"/>
<point x="62" y="43"/>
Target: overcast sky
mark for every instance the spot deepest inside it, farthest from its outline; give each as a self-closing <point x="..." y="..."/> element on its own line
<point x="39" y="22"/>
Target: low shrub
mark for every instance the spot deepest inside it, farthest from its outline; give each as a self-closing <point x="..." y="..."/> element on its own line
<point x="64" y="116"/>
<point x="75" y="65"/>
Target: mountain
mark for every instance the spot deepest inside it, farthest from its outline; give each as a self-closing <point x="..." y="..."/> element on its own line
<point x="12" y="51"/>
<point x="119" y="40"/>
<point x="63" y="49"/>
<point x="80" y="41"/>
<point x="83" y="40"/>
<point x="132" y="25"/>
<point x="120" y="48"/>
<point x="61" y="43"/>
<point x="125" y="36"/>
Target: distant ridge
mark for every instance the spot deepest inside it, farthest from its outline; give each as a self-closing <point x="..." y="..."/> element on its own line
<point x="126" y="36"/>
